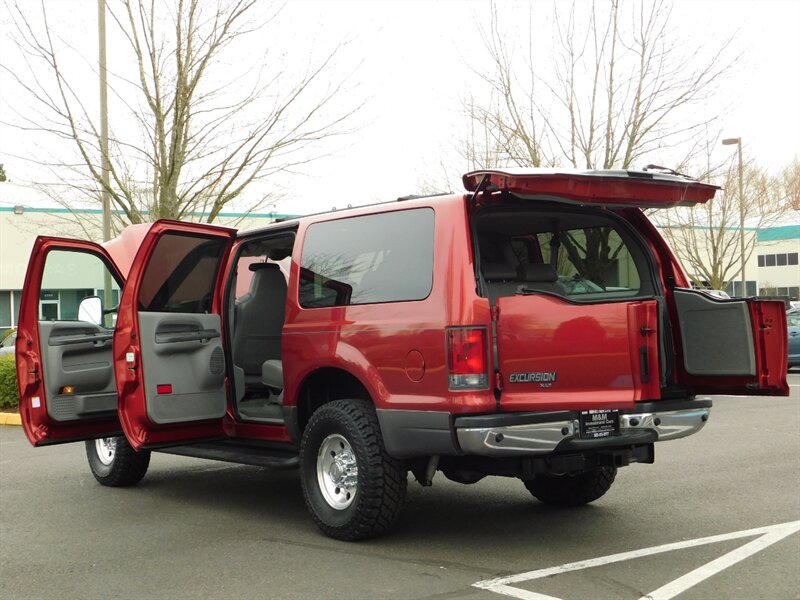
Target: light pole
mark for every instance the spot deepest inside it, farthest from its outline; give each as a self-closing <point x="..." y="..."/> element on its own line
<point x="738" y="142"/>
<point x="106" y="167"/>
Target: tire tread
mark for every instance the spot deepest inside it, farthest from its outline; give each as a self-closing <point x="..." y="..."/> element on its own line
<point x="572" y="490"/>
<point x="127" y="469"/>
<point x="382" y="488"/>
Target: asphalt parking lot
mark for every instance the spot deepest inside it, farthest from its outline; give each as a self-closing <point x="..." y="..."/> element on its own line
<point x="717" y="516"/>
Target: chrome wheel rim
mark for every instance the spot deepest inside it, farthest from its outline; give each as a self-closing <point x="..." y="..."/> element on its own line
<point x="105" y="448"/>
<point x="337" y="472"/>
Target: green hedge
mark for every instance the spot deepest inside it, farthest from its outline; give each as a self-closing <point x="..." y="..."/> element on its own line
<point x="9" y="397"/>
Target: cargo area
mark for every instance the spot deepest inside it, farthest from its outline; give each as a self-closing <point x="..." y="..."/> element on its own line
<point x="582" y="318"/>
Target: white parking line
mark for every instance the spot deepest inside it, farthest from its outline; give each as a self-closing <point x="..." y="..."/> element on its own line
<point x="767" y="536"/>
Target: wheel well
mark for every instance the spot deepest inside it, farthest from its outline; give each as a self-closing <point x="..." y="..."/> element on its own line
<point x="323" y="386"/>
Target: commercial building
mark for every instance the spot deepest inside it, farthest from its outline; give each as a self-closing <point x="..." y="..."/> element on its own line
<point x="772" y="270"/>
<point x="25" y="215"/>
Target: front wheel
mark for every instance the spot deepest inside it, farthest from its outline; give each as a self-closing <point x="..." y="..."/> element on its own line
<point x="115" y="463"/>
<point x="574" y="489"/>
<point x="352" y="488"/>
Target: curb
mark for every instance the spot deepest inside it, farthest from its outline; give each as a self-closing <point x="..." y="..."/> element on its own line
<point x="10" y="419"/>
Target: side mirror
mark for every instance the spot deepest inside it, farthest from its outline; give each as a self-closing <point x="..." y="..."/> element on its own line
<point x="90" y="310"/>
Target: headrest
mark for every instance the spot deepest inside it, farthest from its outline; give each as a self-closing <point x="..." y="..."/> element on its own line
<point x="497" y="271"/>
<point x="279" y="253"/>
<point x="263" y="265"/>
<point x="537" y="273"/>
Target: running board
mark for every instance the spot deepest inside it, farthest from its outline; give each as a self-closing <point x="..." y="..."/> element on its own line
<point x="274" y="458"/>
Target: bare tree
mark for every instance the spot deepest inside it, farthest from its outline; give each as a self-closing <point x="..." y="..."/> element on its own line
<point x="789" y="179"/>
<point x="190" y="133"/>
<point x="706" y="237"/>
<point x="617" y="86"/>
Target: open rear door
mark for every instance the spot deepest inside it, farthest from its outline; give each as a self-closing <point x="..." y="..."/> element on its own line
<point x="168" y="352"/>
<point x="64" y="359"/>
<point x="736" y="347"/>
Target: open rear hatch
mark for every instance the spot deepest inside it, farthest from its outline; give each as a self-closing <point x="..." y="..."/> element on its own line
<point x="645" y="189"/>
<point x="582" y="315"/>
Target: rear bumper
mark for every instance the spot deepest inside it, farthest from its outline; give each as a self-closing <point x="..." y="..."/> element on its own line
<point x="531" y="434"/>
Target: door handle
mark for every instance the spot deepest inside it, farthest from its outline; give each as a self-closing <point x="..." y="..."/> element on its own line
<point x="644" y="364"/>
<point x="187" y="336"/>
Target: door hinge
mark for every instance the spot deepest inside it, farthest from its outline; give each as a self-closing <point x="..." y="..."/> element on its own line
<point x="494" y="311"/>
<point x="34" y="373"/>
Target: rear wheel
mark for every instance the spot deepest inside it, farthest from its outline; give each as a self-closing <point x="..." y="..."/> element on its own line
<point x="574" y="489"/>
<point x="115" y="463"/>
<point x="353" y="489"/>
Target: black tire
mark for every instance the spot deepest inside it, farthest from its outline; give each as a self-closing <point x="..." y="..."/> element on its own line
<point x="575" y="489"/>
<point x="351" y="428"/>
<point x="115" y="463"/>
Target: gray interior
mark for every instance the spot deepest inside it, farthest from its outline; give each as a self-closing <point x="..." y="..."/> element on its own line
<point x="259" y="321"/>
<point x="717" y="335"/>
<point x="258" y="325"/>
<point x="256" y="319"/>
<point x="184" y="351"/>
<point x="503" y="274"/>
<point x="79" y="355"/>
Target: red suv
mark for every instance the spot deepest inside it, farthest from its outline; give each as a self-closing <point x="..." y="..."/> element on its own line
<point x="537" y="327"/>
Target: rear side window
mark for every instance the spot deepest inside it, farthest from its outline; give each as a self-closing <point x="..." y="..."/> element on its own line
<point x="362" y="260"/>
<point x="180" y="275"/>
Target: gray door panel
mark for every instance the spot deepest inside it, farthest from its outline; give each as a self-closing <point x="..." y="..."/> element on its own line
<point x="77" y="355"/>
<point x="717" y="335"/>
<point x="183" y="351"/>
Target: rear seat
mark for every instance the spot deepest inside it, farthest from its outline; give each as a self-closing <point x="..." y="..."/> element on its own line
<point x="500" y="278"/>
<point x="540" y="277"/>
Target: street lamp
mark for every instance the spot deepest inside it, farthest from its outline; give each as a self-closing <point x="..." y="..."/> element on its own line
<point x="738" y="142"/>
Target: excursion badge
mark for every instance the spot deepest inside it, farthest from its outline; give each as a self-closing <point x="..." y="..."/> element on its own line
<point x="546" y="378"/>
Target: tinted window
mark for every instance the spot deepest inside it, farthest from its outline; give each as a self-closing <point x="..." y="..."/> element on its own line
<point x="770" y="258"/>
<point x="760" y="260"/>
<point x="362" y="260"/>
<point x="781" y="260"/>
<point x="181" y="274"/>
<point x="793" y="258"/>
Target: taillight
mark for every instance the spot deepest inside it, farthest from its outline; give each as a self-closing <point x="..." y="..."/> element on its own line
<point x="466" y="358"/>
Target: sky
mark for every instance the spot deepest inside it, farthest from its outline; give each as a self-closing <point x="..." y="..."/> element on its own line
<point x="413" y="62"/>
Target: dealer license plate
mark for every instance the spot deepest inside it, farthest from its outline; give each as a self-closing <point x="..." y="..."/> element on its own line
<point x="599" y="423"/>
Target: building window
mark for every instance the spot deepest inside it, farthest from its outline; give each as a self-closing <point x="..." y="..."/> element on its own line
<point x="5" y="309"/>
<point x="734" y="288"/>
<point x="790" y="293"/>
<point x="777" y="260"/>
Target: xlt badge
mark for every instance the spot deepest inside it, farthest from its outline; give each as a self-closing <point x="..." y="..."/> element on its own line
<point x="533" y="377"/>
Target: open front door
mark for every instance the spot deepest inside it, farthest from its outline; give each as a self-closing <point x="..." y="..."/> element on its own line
<point x="64" y="359"/>
<point x="168" y="351"/>
<point x="736" y="347"/>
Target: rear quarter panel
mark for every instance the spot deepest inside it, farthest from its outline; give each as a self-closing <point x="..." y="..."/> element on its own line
<point x="395" y="349"/>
